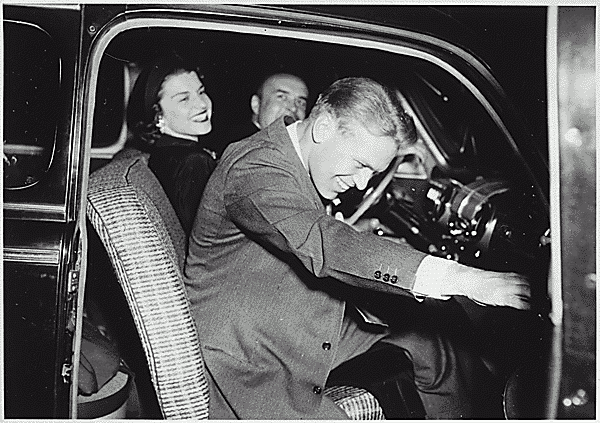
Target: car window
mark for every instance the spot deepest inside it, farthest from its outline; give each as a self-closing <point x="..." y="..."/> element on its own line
<point x="31" y="86"/>
<point x="110" y="104"/>
<point x="446" y="108"/>
<point x="458" y="125"/>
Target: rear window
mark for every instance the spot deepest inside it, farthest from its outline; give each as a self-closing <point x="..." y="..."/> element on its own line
<point x="31" y="87"/>
<point x="110" y="102"/>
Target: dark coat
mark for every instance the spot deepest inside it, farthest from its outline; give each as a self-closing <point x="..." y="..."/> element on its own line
<point x="264" y="266"/>
<point x="183" y="168"/>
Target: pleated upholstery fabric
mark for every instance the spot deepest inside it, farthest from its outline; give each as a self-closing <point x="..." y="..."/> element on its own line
<point x="358" y="403"/>
<point x="146" y="245"/>
<point x="128" y="220"/>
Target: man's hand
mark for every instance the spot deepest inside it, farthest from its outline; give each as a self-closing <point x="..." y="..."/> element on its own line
<point x="484" y="287"/>
<point x="493" y="288"/>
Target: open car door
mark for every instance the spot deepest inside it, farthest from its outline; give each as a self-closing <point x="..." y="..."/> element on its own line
<point x="573" y="178"/>
<point x="44" y="173"/>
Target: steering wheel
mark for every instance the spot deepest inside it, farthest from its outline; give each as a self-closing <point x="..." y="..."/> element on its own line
<point x="376" y="193"/>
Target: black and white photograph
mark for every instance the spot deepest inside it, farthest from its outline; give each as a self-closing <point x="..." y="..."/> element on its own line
<point x="304" y="211"/>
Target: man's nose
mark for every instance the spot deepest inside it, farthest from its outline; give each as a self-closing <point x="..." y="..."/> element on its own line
<point x="292" y="105"/>
<point x="361" y="178"/>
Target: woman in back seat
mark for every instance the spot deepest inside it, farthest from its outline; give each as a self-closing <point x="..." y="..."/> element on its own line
<point x="168" y="110"/>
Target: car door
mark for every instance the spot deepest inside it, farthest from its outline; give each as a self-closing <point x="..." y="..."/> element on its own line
<point x="573" y="177"/>
<point x="44" y="242"/>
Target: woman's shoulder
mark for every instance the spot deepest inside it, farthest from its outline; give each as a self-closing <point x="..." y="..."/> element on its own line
<point x="168" y="145"/>
<point x="197" y="158"/>
<point x="191" y="157"/>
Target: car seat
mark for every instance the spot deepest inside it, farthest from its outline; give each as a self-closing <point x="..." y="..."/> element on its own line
<point x="146" y="244"/>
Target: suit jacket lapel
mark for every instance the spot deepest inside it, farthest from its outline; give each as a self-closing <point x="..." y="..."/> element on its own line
<point x="278" y="134"/>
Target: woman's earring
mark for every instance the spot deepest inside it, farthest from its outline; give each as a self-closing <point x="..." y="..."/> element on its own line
<point x="161" y="125"/>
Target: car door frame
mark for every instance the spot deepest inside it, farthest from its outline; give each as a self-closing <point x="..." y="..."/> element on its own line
<point x="573" y="193"/>
<point x="45" y="244"/>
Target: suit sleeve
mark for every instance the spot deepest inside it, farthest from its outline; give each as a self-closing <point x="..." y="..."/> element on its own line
<point x="266" y="201"/>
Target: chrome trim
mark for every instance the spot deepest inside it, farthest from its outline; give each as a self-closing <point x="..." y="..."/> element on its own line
<point x="29" y="24"/>
<point x="43" y="5"/>
<point x="31" y="150"/>
<point x="555" y="273"/>
<point x="31" y="255"/>
<point x="37" y="207"/>
<point x="554" y="285"/>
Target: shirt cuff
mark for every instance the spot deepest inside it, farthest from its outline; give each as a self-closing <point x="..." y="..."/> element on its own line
<point x="430" y="277"/>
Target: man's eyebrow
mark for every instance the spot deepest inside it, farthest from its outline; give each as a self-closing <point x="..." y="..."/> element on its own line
<point x="284" y="91"/>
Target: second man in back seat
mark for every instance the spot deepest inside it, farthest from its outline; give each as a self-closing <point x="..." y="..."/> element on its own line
<point x="280" y="94"/>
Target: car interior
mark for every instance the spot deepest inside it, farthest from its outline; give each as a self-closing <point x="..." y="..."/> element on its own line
<point x="463" y="192"/>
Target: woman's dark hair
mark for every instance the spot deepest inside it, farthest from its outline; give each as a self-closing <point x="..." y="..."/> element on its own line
<point x="143" y="109"/>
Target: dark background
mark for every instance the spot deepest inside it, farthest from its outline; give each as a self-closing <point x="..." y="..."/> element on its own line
<point x="511" y="40"/>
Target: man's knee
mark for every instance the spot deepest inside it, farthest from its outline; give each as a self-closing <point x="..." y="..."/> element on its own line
<point x="435" y="360"/>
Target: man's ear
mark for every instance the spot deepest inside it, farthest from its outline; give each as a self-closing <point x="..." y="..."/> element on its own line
<point x="323" y="128"/>
<point x="255" y="104"/>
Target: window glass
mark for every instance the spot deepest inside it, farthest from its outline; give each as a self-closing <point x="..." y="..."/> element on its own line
<point x="31" y="90"/>
<point x="458" y="123"/>
<point x="110" y="102"/>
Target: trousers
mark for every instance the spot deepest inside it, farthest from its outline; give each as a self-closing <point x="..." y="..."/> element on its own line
<point x="448" y="374"/>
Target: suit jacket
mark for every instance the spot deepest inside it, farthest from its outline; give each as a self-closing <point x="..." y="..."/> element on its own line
<point x="264" y="272"/>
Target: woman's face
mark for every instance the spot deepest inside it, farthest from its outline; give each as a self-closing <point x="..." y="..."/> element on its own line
<point x="186" y="108"/>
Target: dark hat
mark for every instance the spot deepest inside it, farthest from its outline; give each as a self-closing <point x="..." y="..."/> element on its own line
<point x="147" y="86"/>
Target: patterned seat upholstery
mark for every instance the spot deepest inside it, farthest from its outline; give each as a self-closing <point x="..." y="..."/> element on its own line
<point x="146" y="246"/>
<point x="358" y="403"/>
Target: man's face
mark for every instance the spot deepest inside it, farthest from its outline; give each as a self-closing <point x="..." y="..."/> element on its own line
<point x="281" y="95"/>
<point x="341" y="160"/>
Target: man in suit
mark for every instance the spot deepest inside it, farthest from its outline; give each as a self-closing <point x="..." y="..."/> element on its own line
<point x="269" y="273"/>
<point x="280" y="94"/>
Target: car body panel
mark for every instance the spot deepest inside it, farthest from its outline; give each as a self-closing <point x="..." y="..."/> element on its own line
<point x="42" y="243"/>
<point x="38" y="297"/>
<point x="577" y="166"/>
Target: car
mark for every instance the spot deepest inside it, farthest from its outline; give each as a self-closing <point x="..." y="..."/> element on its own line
<point x="502" y="177"/>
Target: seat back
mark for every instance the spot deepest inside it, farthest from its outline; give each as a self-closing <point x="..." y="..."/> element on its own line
<point x="142" y="235"/>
